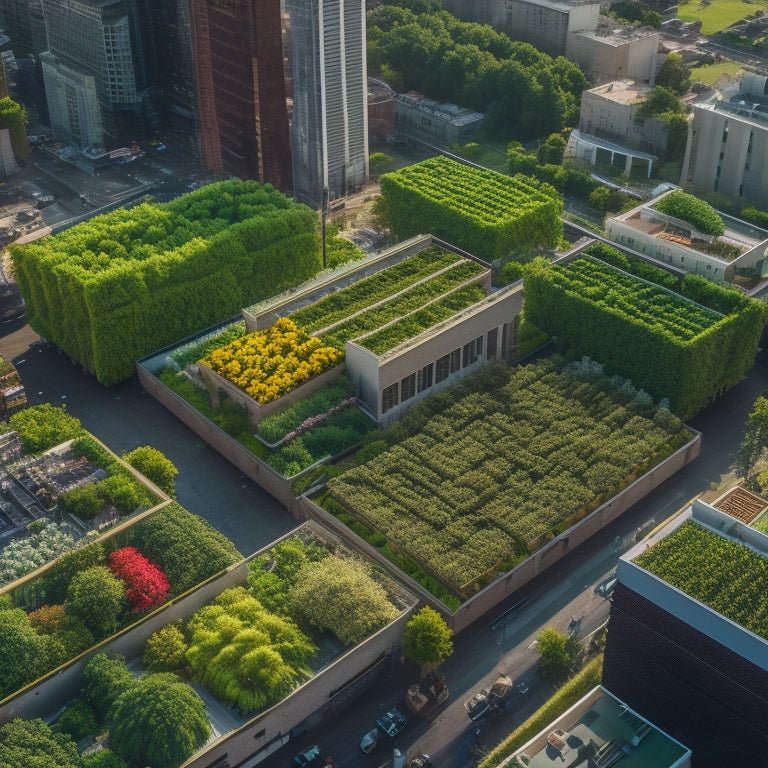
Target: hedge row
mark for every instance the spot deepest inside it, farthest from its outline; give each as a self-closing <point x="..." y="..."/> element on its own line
<point x="485" y="212"/>
<point x="124" y="284"/>
<point x="688" y="371"/>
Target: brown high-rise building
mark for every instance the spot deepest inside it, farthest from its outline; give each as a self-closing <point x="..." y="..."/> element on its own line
<point x="240" y="89"/>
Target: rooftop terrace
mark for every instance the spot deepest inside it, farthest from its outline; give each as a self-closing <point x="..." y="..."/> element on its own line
<point x="600" y="731"/>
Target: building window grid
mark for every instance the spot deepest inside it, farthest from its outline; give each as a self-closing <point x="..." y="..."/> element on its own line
<point x="408" y="387"/>
<point x="389" y="397"/>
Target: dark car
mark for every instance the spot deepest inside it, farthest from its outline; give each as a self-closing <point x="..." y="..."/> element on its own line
<point x="477" y="706"/>
<point x="392" y="722"/>
<point x="307" y="757"/>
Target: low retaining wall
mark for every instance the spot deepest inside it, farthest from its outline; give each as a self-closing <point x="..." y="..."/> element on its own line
<point x="272" y="482"/>
<point x="545" y="557"/>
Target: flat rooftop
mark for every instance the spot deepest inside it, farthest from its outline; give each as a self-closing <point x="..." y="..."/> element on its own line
<point x="617" y="37"/>
<point x="601" y="724"/>
<point x="622" y="91"/>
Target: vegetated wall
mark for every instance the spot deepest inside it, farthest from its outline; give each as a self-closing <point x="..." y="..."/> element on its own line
<point x="649" y="351"/>
<point x="485" y="212"/>
<point x="485" y="600"/>
<point x="121" y="285"/>
<point x="333" y="686"/>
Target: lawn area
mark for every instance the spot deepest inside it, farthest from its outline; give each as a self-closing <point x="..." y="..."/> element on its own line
<point x="718" y="15"/>
<point x="709" y="73"/>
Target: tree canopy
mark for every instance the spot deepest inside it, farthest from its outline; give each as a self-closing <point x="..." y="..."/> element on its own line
<point x="158" y="721"/>
<point x="557" y="653"/>
<point x="155" y="467"/>
<point x="523" y="92"/>
<point x="32" y="744"/>
<point x="427" y="638"/>
<point x="339" y="595"/>
<point x="97" y="598"/>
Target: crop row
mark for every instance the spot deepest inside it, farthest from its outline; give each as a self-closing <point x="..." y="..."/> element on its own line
<point x="418" y="322"/>
<point x="724" y="574"/>
<point x="343" y="303"/>
<point x="400" y="306"/>
<point x="488" y="473"/>
<point x="629" y="296"/>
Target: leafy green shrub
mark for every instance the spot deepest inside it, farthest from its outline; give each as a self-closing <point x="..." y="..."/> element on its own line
<point x="124" y="493"/>
<point x="78" y="720"/>
<point x="166" y="649"/>
<point x="104" y="758"/>
<point x="155" y="467"/>
<point x="511" y="272"/>
<point x="41" y="427"/>
<point x="104" y="679"/>
<point x="698" y="213"/>
<point x="84" y="501"/>
<point x="198" y="349"/>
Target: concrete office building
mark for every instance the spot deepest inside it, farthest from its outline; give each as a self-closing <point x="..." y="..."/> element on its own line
<point x="611" y="53"/>
<point x="700" y="675"/>
<point x="609" y="133"/>
<point x="420" y="118"/>
<point x="678" y="243"/>
<point x="92" y="58"/>
<point x="545" y="25"/>
<point x="329" y="127"/>
<point x="727" y="150"/>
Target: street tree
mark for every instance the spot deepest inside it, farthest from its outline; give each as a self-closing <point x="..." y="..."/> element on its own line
<point x="427" y="638"/>
<point x="557" y="654"/>
<point x="755" y="438"/>
<point x="158" y="720"/>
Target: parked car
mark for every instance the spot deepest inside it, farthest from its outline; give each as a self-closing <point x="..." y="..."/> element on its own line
<point x="392" y="722"/>
<point x="421" y="761"/>
<point x="369" y="741"/>
<point x="307" y="757"/>
<point x="477" y="706"/>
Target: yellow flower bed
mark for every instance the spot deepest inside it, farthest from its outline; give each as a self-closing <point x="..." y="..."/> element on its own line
<point x="269" y="364"/>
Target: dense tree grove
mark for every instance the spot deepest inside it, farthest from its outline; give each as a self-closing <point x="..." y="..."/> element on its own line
<point x="32" y="744"/>
<point x="121" y="285"/>
<point x="523" y="92"/>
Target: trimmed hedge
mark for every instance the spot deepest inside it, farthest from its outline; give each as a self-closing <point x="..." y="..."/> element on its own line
<point x="658" y="346"/>
<point x="485" y="212"/>
<point x="122" y="285"/>
<point x="696" y="212"/>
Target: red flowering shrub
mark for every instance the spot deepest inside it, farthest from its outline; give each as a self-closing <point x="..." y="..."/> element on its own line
<point x="145" y="584"/>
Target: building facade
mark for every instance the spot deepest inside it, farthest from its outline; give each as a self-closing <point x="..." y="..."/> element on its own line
<point x="545" y="25"/>
<point x="329" y="128"/>
<point x="697" y="674"/>
<point x="95" y="41"/>
<point x="616" y="53"/>
<point x="239" y="82"/>
<point x="727" y="149"/>
<point x="423" y="119"/>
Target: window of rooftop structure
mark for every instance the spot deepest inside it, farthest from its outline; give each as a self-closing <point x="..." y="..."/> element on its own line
<point x="389" y="397"/>
<point x="408" y="387"/>
<point x="442" y="368"/>
<point x="455" y="360"/>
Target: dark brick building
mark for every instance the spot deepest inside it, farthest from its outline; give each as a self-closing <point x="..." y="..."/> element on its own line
<point x="700" y="676"/>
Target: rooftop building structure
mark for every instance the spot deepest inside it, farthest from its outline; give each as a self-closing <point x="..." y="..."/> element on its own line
<point x="676" y="242"/>
<point x="687" y="639"/>
<point x="727" y="149"/>
<point x="329" y="128"/>
<point x="601" y="730"/>
<point x="381" y="111"/>
<point x="420" y="118"/>
<point x="544" y="24"/>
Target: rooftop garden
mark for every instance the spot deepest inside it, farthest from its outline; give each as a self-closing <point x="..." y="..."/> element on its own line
<point x="722" y="573"/>
<point x="487" y="213"/>
<point x="698" y="213"/>
<point x="475" y="478"/>
<point x="664" y="342"/>
<point x="126" y="283"/>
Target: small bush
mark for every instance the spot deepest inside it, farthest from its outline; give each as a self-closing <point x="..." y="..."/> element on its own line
<point x="78" y="721"/>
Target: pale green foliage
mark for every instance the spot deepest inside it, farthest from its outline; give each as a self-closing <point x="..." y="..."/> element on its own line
<point x="340" y="595"/>
<point x="43" y="426"/>
<point x="165" y="649"/>
<point x="22" y="556"/>
<point x="158" y="721"/>
<point x="427" y="638"/>
<point x="244" y="655"/>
